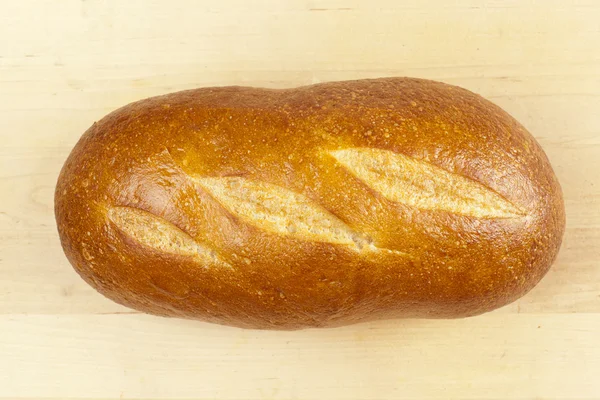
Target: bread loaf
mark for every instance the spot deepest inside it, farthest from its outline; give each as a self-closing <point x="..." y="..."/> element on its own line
<point x="322" y="205"/>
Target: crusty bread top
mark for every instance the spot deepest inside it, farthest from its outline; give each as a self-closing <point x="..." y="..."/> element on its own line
<point x="332" y="202"/>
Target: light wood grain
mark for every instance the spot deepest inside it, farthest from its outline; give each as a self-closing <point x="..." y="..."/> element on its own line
<point x="65" y="64"/>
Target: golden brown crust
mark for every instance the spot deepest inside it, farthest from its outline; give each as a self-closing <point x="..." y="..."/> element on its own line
<point x="290" y="234"/>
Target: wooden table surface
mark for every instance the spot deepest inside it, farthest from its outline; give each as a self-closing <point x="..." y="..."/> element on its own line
<point x="65" y="64"/>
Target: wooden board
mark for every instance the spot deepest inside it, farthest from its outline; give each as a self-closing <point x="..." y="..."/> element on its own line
<point x="64" y="64"/>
